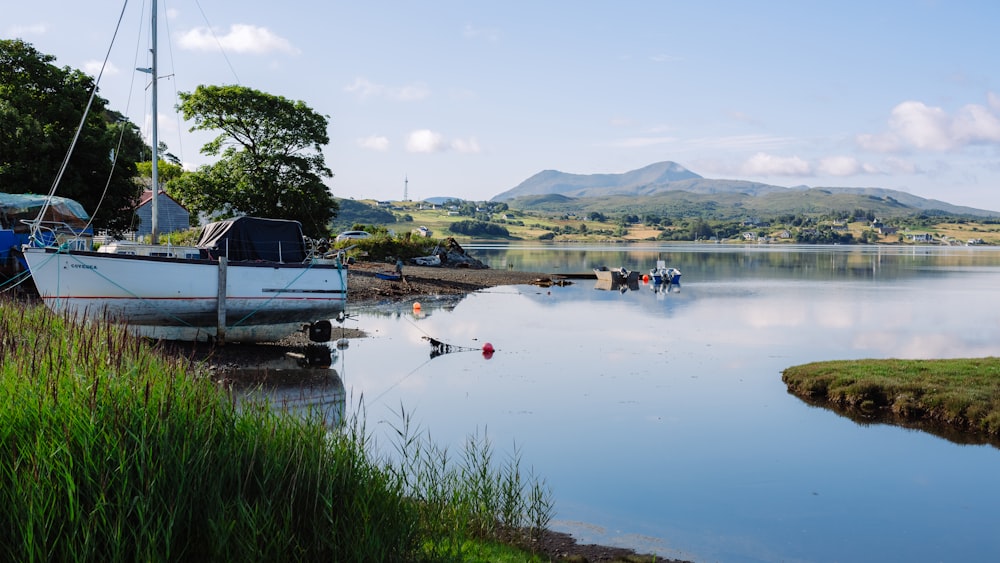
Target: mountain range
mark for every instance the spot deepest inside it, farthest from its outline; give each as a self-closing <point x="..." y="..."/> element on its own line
<point x="673" y="187"/>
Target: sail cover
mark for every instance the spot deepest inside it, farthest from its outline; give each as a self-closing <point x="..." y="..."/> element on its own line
<point x="253" y="238"/>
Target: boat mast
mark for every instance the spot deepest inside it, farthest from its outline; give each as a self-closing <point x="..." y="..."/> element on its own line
<point x="154" y="236"/>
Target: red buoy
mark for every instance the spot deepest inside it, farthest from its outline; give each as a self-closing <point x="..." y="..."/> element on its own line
<point x="488" y="350"/>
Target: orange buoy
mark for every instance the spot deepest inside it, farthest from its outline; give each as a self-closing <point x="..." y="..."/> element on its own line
<point x="416" y="306"/>
<point x="645" y="278"/>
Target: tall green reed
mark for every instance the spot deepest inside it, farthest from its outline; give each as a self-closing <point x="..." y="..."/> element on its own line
<point x="113" y="452"/>
<point x="471" y="497"/>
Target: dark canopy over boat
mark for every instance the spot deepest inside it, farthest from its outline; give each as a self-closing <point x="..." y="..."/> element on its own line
<point x="254" y="238"/>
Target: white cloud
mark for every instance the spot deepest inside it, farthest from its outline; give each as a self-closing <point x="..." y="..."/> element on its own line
<point x="26" y="30"/>
<point x="409" y="93"/>
<point x="763" y="164"/>
<point x="976" y="124"/>
<point x="93" y="68"/>
<point x="242" y="38"/>
<point x="425" y="141"/>
<point x="374" y="142"/>
<point x="365" y="88"/>
<point x="470" y="145"/>
<point x="839" y="166"/>
<point x="915" y="125"/>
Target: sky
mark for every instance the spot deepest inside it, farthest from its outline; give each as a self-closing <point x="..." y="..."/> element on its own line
<point x="470" y="98"/>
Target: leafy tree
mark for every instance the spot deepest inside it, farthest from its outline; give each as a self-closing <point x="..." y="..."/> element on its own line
<point x="478" y="228"/>
<point x="166" y="171"/>
<point x="271" y="159"/>
<point x="41" y="106"/>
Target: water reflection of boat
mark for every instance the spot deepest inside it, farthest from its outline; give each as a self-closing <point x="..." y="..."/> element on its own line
<point x="619" y="284"/>
<point x="302" y="383"/>
<point x="661" y="274"/>
<point x="619" y="276"/>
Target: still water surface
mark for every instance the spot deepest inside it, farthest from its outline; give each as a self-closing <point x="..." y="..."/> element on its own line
<point x="659" y="419"/>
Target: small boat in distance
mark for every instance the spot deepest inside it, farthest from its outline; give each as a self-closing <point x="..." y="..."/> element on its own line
<point x="661" y="274"/>
<point x="617" y="276"/>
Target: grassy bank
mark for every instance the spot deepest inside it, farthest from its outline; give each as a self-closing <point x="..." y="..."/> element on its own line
<point x="114" y="452"/>
<point x="963" y="394"/>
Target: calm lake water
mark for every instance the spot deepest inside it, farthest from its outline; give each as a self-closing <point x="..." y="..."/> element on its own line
<point x="659" y="419"/>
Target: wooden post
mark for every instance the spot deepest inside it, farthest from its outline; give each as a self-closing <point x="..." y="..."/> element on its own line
<point x="220" y="328"/>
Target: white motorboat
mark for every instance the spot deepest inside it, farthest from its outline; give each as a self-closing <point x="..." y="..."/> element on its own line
<point x="661" y="274"/>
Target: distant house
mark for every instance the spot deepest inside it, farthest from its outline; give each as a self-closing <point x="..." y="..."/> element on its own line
<point x="172" y="215"/>
<point x="887" y="230"/>
<point x="749" y="236"/>
<point x="922" y="237"/>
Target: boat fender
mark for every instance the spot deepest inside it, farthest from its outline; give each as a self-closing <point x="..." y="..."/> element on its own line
<point x="320" y="331"/>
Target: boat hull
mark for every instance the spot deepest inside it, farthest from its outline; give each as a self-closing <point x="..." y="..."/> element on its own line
<point x="619" y="276"/>
<point x="179" y="299"/>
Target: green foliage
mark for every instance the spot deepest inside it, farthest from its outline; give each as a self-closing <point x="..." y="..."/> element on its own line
<point x="382" y="245"/>
<point x="475" y="228"/>
<point x="472" y="497"/>
<point x="165" y="171"/>
<point x="963" y="393"/>
<point x="352" y="212"/>
<point x="41" y="106"/>
<point x="823" y="236"/>
<point x="119" y="454"/>
<point x="271" y="161"/>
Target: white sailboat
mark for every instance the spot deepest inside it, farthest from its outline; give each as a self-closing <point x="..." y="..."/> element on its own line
<point x="247" y="280"/>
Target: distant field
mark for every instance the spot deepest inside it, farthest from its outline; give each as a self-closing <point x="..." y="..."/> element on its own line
<point x="438" y="220"/>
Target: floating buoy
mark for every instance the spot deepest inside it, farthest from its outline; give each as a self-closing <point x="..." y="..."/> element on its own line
<point x="487" y="350"/>
<point x="416" y="306"/>
<point x="645" y="278"/>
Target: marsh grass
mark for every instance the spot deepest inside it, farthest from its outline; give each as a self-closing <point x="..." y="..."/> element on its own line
<point x="471" y="500"/>
<point x="962" y="393"/>
<point x="112" y="451"/>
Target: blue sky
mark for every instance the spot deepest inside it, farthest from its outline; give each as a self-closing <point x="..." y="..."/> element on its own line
<point x="468" y="99"/>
